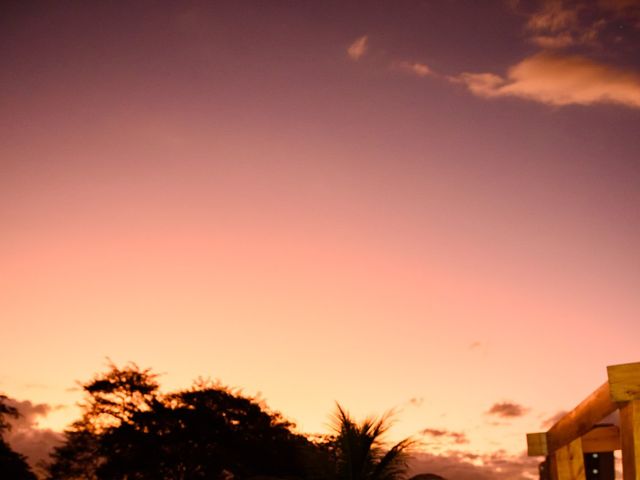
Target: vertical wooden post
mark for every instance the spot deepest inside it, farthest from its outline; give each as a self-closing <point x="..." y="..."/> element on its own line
<point x="553" y="467"/>
<point x="570" y="461"/>
<point x="630" y="439"/>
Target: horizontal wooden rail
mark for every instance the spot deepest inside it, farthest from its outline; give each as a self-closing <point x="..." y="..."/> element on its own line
<point x="605" y="438"/>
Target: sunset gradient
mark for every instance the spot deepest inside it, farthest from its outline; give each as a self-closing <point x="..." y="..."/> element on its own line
<point x="409" y="205"/>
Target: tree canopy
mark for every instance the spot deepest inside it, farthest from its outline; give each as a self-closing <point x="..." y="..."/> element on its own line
<point x="130" y="430"/>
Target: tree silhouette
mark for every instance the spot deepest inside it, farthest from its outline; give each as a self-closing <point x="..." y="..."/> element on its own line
<point x="113" y="400"/>
<point x="359" y="449"/>
<point x="12" y="465"/>
<point x="130" y="431"/>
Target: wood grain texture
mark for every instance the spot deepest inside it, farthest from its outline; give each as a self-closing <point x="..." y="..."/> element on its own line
<point x="601" y="439"/>
<point x="630" y="440"/>
<point x="537" y="444"/>
<point x="570" y="462"/>
<point x="624" y="382"/>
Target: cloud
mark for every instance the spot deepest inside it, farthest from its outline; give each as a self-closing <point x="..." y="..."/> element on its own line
<point x="413" y="68"/>
<point x="416" y="401"/>
<point x="551" y="421"/>
<point x="455" y="437"/>
<point x="358" y="48"/>
<point x="457" y="465"/>
<point x="611" y="419"/>
<point x="29" y="412"/>
<point x="26" y="437"/>
<point x="558" y="80"/>
<point x="554" y="16"/>
<point x="560" y="24"/>
<point x="507" y="410"/>
<point x="560" y="40"/>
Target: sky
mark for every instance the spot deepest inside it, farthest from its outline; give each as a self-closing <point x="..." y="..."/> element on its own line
<point x="428" y="206"/>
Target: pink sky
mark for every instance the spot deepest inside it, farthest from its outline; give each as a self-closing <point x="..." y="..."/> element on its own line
<point x="392" y="206"/>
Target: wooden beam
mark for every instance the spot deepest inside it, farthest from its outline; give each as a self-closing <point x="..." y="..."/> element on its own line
<point x="537" y="444"/>
<point x="553" y="466"/>
<point x="601" y="439"/>
<point x="570" y="462"/>
<point x="630" y="439"/>
<point x="624" y="382"/>
<point x="581" y="419"/>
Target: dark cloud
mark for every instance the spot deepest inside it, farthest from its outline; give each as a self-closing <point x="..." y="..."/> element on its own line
<point x="457" y="465"/>
<point x="455" y="437"/>
<point x="26" y="437"/>
<point x="507" y="410"/>
<point x="416" y="401"/>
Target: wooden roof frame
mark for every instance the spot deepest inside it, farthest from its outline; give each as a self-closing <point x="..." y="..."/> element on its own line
<point x="578" y="432"/>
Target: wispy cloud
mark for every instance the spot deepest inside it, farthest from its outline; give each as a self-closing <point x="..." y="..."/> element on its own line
<point x="413" y="68"/>
<point x="358" y="47"/>
<point x="559" y="80"/>
<point x="549" y="422"/>
<point x="448" y="435"/>
<point x="553" y="16"/>
<point x="558" y="24"/>
<point x="507" y="410"/>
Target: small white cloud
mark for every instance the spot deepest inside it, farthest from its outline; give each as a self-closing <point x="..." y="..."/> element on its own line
<point x="358" y="48"/>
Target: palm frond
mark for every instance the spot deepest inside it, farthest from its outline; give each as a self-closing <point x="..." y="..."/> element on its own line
<point x="359" y="447"/>
<point x="393" y="464"/>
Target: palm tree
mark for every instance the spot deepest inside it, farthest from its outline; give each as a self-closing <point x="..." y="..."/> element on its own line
<point x="360" y="450"/>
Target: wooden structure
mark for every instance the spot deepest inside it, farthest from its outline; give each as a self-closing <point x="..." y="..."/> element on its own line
<point x="577" y="433"/>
